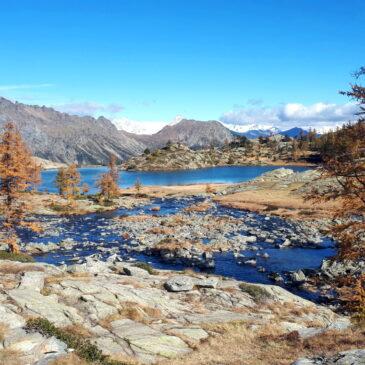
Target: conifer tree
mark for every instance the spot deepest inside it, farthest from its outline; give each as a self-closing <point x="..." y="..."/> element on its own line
<point x="68" y="181"/>
<point x="108" y="182"/>
<point x="18" y="174"/>
<point x="138" y="186"/>
<point x="343" y="154"/>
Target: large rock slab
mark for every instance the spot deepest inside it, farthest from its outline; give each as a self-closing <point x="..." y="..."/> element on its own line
<point x="10" y="319"/>
<point x="33" y="347"/>
<point x="146" y="340"/>
<point x="36" y="304"/>
<point x="33" y="280"/>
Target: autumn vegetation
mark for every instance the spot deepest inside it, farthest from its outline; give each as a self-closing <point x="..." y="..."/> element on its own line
<point x="18" y="174"/>
<point x="108" y="182"/>
<point x="343" y="155"/>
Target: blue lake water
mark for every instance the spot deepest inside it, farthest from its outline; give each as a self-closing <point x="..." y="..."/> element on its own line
<point x="94" y="228"/>
<point x="224" y="174"/>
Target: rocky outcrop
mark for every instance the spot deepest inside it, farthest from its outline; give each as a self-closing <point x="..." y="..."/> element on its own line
<point x="148" y="317"/>
<point x="178" y="156"/>
<point x="352" y="357"/>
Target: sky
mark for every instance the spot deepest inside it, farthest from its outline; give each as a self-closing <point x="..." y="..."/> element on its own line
<point x="249" y="62"/>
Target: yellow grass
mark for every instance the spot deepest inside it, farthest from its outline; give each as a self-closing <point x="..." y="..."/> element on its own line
<point x="70" y="359"/>
<point x="280" y="202"/>
<point x="234" y="344"/>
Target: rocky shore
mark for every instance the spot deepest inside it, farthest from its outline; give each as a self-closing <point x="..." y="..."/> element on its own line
<point x="178" y="156"/>
<point x="139" y="316"/>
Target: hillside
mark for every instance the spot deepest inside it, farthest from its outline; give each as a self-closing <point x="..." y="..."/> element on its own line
<point x="195" y="134"/>
<point x="65" y="138"/>
<point x="177" y="156"/>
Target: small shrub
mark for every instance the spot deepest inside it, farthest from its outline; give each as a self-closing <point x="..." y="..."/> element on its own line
<point x="83" y="347"/>
<point x="12" y="256"/>
<point x="146" y="266"/>
<point x="256" y="292"/>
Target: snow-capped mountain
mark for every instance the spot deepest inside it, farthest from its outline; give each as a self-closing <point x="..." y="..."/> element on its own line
<point x="243" y="128"/>
<point x="252" y="131"/>
<point x="146" y="127"/>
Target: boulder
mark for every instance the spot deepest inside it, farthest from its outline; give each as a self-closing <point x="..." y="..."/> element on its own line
<point x="135" y="271"/>
<point x="179" y="283"/>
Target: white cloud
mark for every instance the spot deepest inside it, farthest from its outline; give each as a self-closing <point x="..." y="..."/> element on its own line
<point x="23" y="86"/>
<point x="89" y="108"/>
<point x="321" y="116"/>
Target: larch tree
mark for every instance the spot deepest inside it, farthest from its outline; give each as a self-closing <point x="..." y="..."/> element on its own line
<point x="343" y="154"/>
<point x="108" y="182"/>
<point x="68" y="181"/>
<point x="18" y="174"/>
<point x="138" y="186"/>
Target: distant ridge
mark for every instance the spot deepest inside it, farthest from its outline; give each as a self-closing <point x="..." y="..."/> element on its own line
<point x="193" y="133"/>
<point x="65" y="138"/>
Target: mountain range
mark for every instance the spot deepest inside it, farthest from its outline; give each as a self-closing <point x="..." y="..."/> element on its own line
<point x="66" y="138"/>
<point x="61" y="137"/>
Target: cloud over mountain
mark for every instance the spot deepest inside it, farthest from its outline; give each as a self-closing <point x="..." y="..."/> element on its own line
<point x="89" y="108"/>
<point x="321" y="116"/>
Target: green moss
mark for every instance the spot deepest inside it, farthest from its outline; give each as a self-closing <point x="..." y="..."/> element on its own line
<point x="258" y="293"/>
<point x="21" y="257"/>
<point x="83" y="347"/>
<point x="145" y="266"/>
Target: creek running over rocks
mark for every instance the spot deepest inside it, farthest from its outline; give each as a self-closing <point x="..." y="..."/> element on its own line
<point x="247" y="246"/>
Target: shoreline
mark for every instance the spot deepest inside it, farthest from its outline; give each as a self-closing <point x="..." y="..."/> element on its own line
<point x="273" y="164"/>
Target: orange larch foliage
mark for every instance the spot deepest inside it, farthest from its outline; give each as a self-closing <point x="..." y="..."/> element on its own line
<point x="108" y="182"/>
<point x="18" y="174"/>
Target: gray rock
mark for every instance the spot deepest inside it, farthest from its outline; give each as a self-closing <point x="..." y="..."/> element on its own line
<point x="33" y="280"/>
<point x="298" y="277"/>
<point x="48" y="307"/>
<point x="11" y="319"/>
<point x="135" y="271"/>
<point x="207" y="282"/>
<point x="352" y="357"/>
<point x="145" y="340"/>
<point x="179" y="283"/>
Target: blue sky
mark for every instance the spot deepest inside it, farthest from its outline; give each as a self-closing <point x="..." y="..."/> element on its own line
<point x="205" y="59"/>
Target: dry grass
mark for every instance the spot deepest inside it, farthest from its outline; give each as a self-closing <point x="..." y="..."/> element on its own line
<point x="69" y="359"/>
<point x="8" y="357"/>
<point x="200" y="208"/>
<point x="56" y="279"/>
<point x="135" y="312"/>
<point x="78" y="330"/>
<point x="126" y="360"/>
<point x="161" y="230"/>
<point x="14" y="268"/>
<point x="281" y="202"/>
<point x="132" y="282"/>
<point x="135" y="218"/>
<point x="233" y="344"/>
<point x="4" y="328"/>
